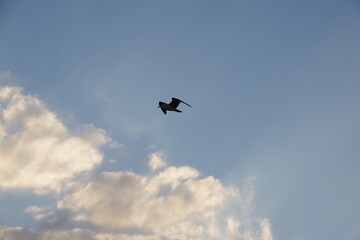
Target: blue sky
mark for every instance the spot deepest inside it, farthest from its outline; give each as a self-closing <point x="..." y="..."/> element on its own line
<point x="274" y="89"/>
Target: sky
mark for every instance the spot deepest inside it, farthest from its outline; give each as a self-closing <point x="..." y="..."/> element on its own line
<point x="268" y="151"/>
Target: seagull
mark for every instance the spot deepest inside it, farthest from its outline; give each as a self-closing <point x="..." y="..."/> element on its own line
<point x="172" y="105"/>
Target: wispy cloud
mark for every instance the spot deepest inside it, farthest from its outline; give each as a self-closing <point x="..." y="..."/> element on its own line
<point x="33" y="209"/>
<point x="5" y="75"/>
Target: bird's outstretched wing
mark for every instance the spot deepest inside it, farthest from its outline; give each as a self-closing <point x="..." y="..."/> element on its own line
<point x="175" y="102"/>
<point x="164" y="111"/>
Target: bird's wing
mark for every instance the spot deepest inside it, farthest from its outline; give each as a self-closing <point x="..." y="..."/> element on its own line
<point x="175" y="102"/>
<point x="164" y="111"/>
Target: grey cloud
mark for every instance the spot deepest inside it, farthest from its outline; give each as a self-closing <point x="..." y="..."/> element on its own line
<point x="19" y="233"/>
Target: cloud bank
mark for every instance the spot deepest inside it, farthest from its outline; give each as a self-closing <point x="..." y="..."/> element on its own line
<point x="39" y="153"/>
<point x="163" y="204"/>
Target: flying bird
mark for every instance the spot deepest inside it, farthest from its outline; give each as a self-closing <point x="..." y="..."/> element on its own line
<point x="172" y="106"/>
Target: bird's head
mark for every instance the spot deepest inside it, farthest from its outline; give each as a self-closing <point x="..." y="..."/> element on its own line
<point x="160" y="104"/>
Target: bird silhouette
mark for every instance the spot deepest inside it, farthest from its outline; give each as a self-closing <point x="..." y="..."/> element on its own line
<point x="172" y="106"/>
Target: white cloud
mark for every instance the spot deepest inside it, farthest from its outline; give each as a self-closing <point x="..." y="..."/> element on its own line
<point x="96" y="136"/>
<point x="157" y="160"/>
<point x="232" y="227"/>
<point x="175" y="203"/>
<point x="36" y="150"/>
<point x="266" y="233"/>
